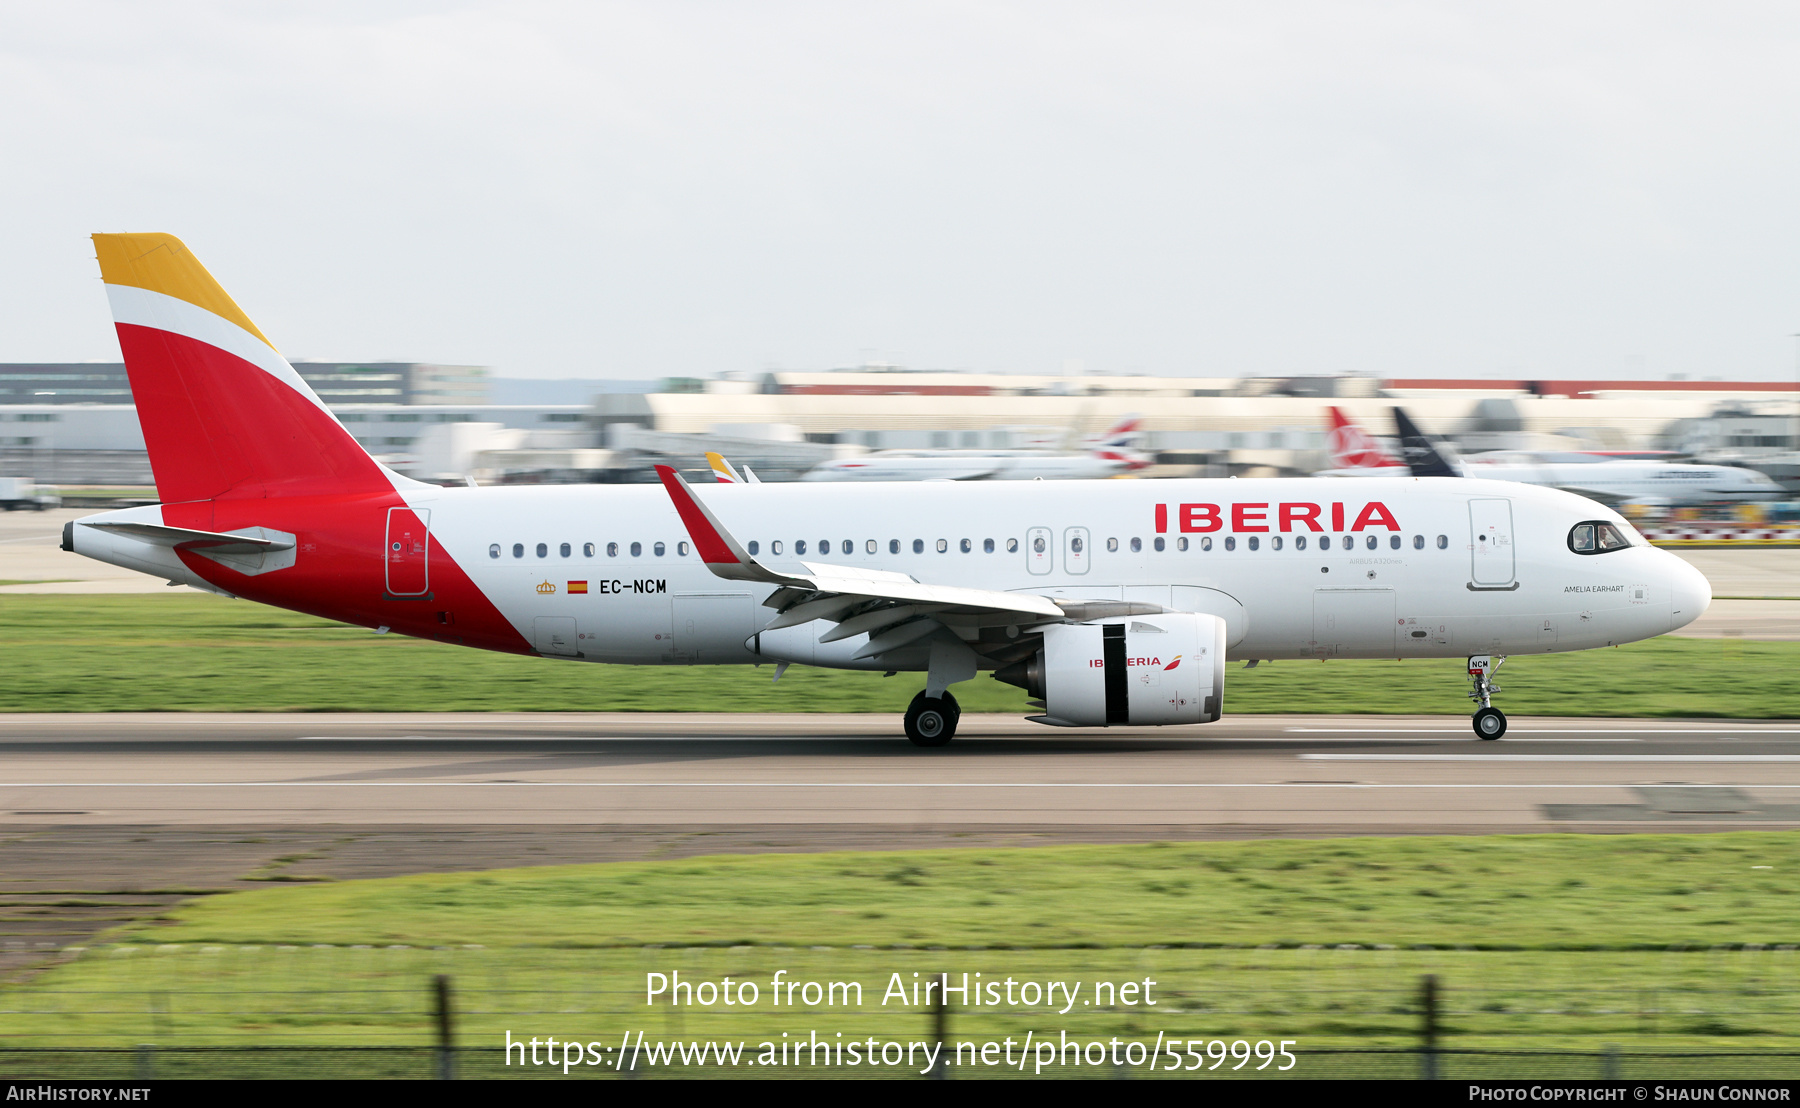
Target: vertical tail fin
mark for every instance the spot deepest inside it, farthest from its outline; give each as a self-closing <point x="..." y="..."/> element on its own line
<point x="1350" y="447"/>
<point x="1419" y="453"/>
<point x="722" y="471"/>
<point x="224" y="415"/>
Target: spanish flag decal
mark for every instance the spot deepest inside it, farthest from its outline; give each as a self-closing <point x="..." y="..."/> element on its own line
<point x="577" y="586"/>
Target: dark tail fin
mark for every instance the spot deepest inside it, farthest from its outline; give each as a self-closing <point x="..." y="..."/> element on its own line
<point x="1420" y="454"/>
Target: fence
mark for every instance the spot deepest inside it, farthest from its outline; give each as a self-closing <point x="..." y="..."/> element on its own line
<point x="1350" y="1011"/>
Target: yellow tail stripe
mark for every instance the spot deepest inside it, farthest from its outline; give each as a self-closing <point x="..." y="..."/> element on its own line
<point x="162" y="264"/>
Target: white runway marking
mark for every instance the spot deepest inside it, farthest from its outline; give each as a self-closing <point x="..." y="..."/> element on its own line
<point x="1550" y="758"/>
<point x="1546" y="731"/>
<point x="752" y="785"/>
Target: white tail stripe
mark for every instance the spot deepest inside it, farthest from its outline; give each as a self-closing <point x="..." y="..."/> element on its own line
<point x="144" y="308"/>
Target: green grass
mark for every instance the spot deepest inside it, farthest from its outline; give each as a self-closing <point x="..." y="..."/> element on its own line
<point x="1541" y="941"/>
<point x="1539" y="892"/>
<point x="202" y="653"/>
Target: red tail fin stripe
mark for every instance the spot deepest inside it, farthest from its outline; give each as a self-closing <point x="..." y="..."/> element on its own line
<point x="144" y="308"/>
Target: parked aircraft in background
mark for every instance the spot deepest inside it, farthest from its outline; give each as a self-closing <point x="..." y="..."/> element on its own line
<point x="1355" y="453"/>
<point x="724" y="473"/>
<point x="1109" y="603"/>
<point x="1620" y="481"/>
<point x="1599" y="475"/>
<point x="1112" y="455"/>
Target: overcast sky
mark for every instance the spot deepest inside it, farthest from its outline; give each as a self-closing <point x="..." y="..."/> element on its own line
<point x="640" y="190"/>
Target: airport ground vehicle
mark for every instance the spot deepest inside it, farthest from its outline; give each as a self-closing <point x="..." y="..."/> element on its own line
<point x="1112" y="603"/>
<point x="23" y="494"/>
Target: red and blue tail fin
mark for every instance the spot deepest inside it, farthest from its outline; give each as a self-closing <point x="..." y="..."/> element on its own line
<point x="224" y="415"/>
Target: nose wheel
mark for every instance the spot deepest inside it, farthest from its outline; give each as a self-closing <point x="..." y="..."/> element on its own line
<point x="931" y="721"/>
<point x="1489" y="721"/>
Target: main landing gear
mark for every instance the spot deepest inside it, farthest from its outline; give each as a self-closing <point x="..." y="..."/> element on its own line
<point x="931" y="721"/>
<point x="1490" y="722"/>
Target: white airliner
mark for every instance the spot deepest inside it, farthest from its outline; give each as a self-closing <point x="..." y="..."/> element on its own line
<point x="1609" y="480"/>
<point x="1111" y="603"/>
<point x="1111" y="456"/>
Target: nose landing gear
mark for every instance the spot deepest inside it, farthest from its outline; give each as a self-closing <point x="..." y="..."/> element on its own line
<point x="1489" y="721"/>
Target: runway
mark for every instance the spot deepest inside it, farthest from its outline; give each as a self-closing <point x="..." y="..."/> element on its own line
<point x="1244" y="776"/>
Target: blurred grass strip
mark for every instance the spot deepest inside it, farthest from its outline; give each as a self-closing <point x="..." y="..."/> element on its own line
<point x="202" y="653"/>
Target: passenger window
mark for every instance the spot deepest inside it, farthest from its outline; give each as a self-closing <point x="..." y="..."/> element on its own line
<point x="1231" y="542"/>
<point x="1274" y="542"/>
<point x="1324" y="542"/>
<point x="1255" y="542"/>
<point x="657" y="549"/>
<point x="1112" y="545"/>
<point x="1075" y="545"/>
<point x="1443" y="542"/>
<point x="1299" y="542"/>
<point x="799" y="546"/>
<point x="1418" y="542"/>
<point x="543" y="550"/>
<point x="1206" y="542"/>
<point x="943" y="546"/>
<point x="752" y="547"/>
<point x="1393" y="542"/>
<point x="849" y="546"/>
<point x="681" y="548"/>
<point x="612" y="550"/>
<point x="987" y="546"/>
<point x="637" y="549"/>
<point x="918" y="546"/>
<point x="587" y="550"/>
<point x="893" y="546"/>
<point x="1037" y="545"/>
<point x="565" y="550"/>
<point x="1181" y="543"/>
<point x="1369" y="542"/>
<point x="870" y="546"/>
<point x="494" y="551"/>
<point x="775" y="547"/>
<point x="1137" y="545"/>
<point x="1157" y="543"/>
<point x="1012" y="546"/>
<point x="518" y="550"/>
<point x="825" y="548"/>
<point x="966" y="546"/>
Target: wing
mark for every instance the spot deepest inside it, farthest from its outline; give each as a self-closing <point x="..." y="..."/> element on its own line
<point x="894" y="609"/>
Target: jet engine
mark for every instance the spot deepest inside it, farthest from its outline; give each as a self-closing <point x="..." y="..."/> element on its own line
<point x="1142" y="670"/>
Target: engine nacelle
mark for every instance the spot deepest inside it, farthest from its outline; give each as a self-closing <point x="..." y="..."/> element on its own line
<point x="1141" y="670"/>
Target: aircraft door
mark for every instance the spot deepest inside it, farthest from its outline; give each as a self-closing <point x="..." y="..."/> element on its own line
<point x="1038" y="555"/>
<point x="711" y="627"/>
<point x="408" y="547"/>
<point x="1491" y="544"/>
<point x="1075" y="550"/>
<point x="1356" y="623"/>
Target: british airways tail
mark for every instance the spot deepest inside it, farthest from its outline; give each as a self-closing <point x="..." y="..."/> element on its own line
<point x="224" y="415"/>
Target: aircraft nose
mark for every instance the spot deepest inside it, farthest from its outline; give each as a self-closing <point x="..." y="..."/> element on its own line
<point x="1690" y="593"/>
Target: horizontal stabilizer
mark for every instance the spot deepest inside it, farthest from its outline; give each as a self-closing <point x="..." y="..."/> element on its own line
<point x="210" y="542"/>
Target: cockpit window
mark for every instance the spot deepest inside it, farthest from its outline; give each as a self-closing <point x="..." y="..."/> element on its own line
<point x="1596" y="537"/>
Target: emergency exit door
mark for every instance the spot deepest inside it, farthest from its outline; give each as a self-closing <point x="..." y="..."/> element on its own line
<point x="1491" y="543"/>
<point x="408" y="547"/>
